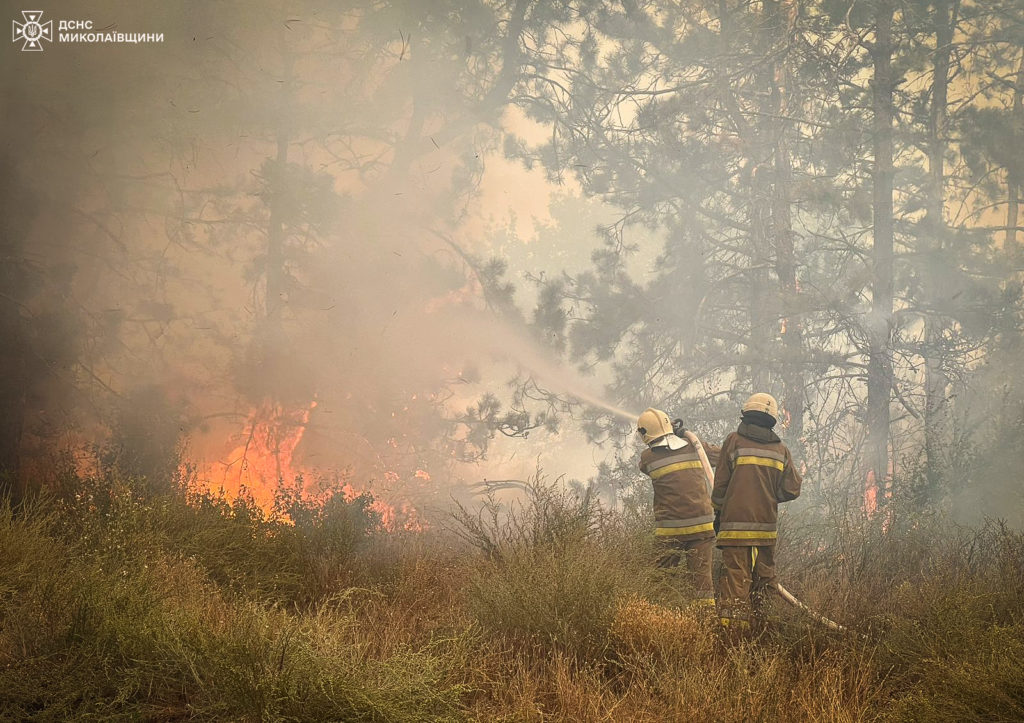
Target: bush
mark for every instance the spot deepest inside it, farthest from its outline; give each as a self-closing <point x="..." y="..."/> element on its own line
<point x="955" y="629"/>
<point x="548" y="514"/>
<point x="557" y="566"/>
<point x="88" y="633"/>
<point x="561" y="598"/>
<point x="299" y="554"/>
<point x="643" y="630"/>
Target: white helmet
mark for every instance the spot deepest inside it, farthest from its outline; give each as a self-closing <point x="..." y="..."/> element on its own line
<point x="653" y="424"/>
<point x="762" y="402"/>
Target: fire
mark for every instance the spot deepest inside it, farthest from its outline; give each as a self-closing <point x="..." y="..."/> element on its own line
<point x="264" y="457"/>
<point x="870" y="495"/>
<point x="875" y="492"/>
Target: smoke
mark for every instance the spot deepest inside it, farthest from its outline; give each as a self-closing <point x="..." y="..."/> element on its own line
<point x="161" y="176"/>
<point x="275" y="208"/>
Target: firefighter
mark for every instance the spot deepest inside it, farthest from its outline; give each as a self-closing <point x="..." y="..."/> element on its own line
<point x="682" y="501"/>
<point x="755" y="473"/>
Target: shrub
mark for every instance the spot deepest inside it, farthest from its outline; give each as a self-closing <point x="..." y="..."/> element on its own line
<point x="117" y="604"/>
<point x="559" y="598"/>
<point x="112" y="634"/>
<point x="556" y="568"/>
<point x="299" y="554"/>
<point x="642" y="629"/>
<point x="548" y="514"/>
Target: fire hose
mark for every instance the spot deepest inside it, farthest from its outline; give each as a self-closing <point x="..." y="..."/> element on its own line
<point x="816" y="616"/>
<point x="783" y="592"/>
<point x="709" y="477"/>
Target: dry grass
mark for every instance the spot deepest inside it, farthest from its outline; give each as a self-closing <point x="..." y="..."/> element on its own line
<point x="119" y="606"/>
<point x="642" y="629"/>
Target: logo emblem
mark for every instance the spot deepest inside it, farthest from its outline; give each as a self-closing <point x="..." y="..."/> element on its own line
<point x="32" y="31"/>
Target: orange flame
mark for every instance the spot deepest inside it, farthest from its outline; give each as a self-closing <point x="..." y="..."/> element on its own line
<point x="870" y="494"/>
<point x="263" y="459"/>
<point x="875" y="492"/>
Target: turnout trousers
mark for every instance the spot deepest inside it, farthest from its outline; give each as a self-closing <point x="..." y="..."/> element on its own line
<point x="748" y="577"/>
<point x="697" y="557"/>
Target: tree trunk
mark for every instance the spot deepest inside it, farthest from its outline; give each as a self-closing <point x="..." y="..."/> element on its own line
<point x="1014" y="181"/>
<point x="879" y="325"/>
<point x="762" y="321"/>
<point x="781" y="18"/>
<point x="757" y="182"/>
<point x="273" y="380"/>
<point x="276" y="233"/>
<point x="936" y="432"/>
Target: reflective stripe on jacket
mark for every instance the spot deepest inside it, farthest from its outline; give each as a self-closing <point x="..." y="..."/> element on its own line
<point x="752" y="478"/>
<point x="682" y="504"/>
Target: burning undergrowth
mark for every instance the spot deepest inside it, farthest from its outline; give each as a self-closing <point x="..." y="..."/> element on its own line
<point x="265" y="466"/>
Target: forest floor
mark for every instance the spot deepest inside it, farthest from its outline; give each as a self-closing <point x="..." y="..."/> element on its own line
<point x="118" y="604"/>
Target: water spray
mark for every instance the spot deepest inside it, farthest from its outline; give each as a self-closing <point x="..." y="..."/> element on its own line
<point x="515" y="343"/>
<point x="595" y="402"/>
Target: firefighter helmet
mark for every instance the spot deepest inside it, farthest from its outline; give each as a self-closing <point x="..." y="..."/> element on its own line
<point x="762" y="402"/>
<point x="653" y="424"/>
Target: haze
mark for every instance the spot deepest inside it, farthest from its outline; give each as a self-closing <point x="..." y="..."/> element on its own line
<point x="411" y="246"/>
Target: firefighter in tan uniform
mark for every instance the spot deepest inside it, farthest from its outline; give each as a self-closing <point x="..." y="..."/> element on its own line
<point x="683" y="517"/>
<point x="755" y="473"/>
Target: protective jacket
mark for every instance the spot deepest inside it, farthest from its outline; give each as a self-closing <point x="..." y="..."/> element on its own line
<point x="755" y="473"/>
<point x="682" y="504"/>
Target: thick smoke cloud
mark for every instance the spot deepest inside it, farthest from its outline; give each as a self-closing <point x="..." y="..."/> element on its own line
<point x="274" y="206"/>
